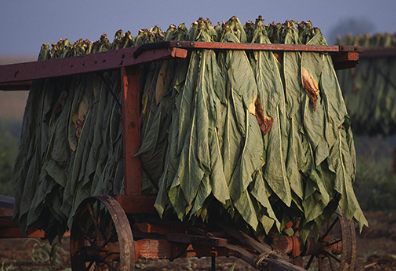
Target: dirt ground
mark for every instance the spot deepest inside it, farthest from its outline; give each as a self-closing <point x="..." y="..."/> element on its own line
<point x="376" y="250"/>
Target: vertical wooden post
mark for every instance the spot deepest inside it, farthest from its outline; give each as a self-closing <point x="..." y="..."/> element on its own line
<point x="131" y="130"/>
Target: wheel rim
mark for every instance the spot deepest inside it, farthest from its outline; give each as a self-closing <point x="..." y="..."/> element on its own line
<point x="101" y="236"/>
<point x="338" y="231"/>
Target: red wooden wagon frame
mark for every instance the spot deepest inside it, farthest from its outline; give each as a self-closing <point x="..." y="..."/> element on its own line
<point x="164" y="239"/>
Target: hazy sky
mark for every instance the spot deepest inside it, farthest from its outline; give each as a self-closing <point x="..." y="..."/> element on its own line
<point x="26" y="24"/>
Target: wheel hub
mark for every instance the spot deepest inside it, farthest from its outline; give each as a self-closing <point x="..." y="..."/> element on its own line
<point x="90" y="253"/>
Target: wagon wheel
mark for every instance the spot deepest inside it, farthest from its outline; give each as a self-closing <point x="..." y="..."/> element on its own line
<point x="101" y="236"/>
<point x="338" y="246"/>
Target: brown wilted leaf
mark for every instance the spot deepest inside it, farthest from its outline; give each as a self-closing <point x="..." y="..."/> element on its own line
<point x="278" y="56"/>
<point x="265" y="123"/>
<point x="310" y="86"/>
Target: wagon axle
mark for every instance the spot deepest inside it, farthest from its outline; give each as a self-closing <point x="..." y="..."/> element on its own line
<point x="294" y="246"/>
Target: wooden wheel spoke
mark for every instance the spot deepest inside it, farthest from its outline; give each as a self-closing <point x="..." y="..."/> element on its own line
<point x="320" y="263"/>
<point x="331" y="264"/>
<point x="331" y="255"/>
<point x="109" y="235"/>
<point x="109" y="265"/>
<point x="96" y="221"/>
<point x="335" y="242"/>
<point x="89" y="266"/>
<point x="329" y="228"/>
<point x="108" y="240"/>
<point x="309" y="262"/>
<point x="343" y="244"/>
<point x="98" y="212"/>
<point x="89" y="207"/>
<point x="86" y="237"/>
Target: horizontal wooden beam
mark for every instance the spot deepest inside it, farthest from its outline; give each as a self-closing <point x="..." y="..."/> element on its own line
<point x="16" y="86"/>
<point x="267" y="47"/>
<point x="9" y="232"/>
<point x="16" y="233"/>
<point x="6" y="212"/>
<point x="110" y="60"/>
<point x="163" y="249"/>
<point x="18" y="76"/>
<point x="189" y="45"/>
<point x="378" y="52"/>
<point x="137" y="204"/>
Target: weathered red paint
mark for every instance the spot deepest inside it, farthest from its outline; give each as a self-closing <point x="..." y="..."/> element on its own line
<point x="83" y="64"/>
<point x="6" y="212"/>
<point x="345" y="60"/>
<point x="23" y="72"/>
<point x="136" y="204"/>
<point x="131" y="130"/>
<point x="189" y="45"/>
<point x="266" y="47"/>
<point x="163" y="249"/>
<point x="162" y="228"/>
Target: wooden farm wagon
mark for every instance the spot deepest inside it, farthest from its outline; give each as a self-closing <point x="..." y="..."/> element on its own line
<point x="112" y="241"/>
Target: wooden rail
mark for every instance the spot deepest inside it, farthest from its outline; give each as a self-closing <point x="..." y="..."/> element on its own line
<point x="8" y="229"/>
<point x="19" y="76"/>
<point x="378" y="52"/>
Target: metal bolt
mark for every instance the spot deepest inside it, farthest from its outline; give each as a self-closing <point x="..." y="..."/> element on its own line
<point x="132" y="124"/>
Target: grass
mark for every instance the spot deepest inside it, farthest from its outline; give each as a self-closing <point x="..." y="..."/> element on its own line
<point x="44" y="257"/>
<point x="375" y="184"/>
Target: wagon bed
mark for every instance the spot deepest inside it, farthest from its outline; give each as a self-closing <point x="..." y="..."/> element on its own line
<point x="168" y="239"/>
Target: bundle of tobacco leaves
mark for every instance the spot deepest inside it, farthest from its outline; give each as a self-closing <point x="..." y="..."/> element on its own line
<point x="258" y="138"/>
<point x="71" y="143"/>
<point x="255" y="138"/>
<point x="370" y="89"/>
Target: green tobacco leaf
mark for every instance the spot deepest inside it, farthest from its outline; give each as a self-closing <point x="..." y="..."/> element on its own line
<point x="171" y="161"/>
<point x="342" y="166"/>
<point x="188" y="94"/>
<point x="264" y="211"/>
<point x="294" y="95"/>
<point x="275" y="170"/>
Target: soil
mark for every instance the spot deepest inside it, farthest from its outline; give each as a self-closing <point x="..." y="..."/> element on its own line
<point x="376" y="250"/>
